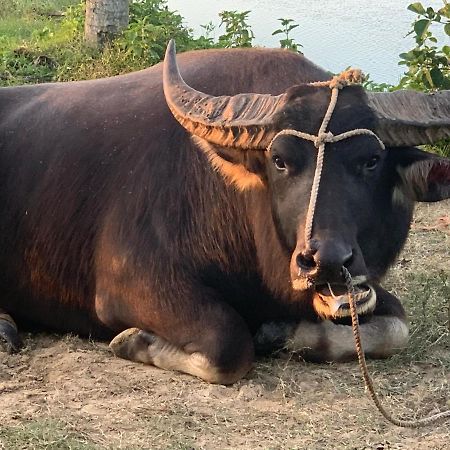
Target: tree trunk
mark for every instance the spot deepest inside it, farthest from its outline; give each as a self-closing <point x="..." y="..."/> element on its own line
<point x="104" y="20"/>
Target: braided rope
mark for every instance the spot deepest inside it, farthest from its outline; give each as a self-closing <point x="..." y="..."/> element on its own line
<point x="323" y="137"/>
<point x="350" y="76"/>
<point x="365" y="373"/>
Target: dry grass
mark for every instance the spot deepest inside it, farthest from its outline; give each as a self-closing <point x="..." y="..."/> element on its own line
<point x="68" y="393"/>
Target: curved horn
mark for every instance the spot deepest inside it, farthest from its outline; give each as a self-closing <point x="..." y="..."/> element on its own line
<point x="410" y="117"/>
<point x="243" y="120"/>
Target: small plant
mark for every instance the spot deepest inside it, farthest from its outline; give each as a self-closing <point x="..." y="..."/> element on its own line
<point x="373" y="86"/>
<point x="287" y="26"/>
<point x="206" y="40"/>
<point x="238" y="32"/>
<point x="428" y="65"/>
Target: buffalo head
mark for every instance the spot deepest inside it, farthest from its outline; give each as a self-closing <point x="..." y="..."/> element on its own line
<point x="366" y="194"/>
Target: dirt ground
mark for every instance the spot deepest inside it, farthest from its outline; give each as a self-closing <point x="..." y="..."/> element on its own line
<point x="62" y="392"/>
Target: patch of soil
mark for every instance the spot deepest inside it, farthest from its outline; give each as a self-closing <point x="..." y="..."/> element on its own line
<point x="283" y="403"/>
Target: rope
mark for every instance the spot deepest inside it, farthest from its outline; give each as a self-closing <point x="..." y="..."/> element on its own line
<point x="350" y="76"/>
<point x="365" y="373"/>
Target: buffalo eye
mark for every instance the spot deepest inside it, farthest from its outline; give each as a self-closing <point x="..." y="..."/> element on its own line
<point x="279" y="163"/>
<point x="372" y="163"/>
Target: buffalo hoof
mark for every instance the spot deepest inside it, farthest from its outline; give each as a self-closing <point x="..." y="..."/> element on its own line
<point x="9" y="334"/>
<point x="131" y="341"/>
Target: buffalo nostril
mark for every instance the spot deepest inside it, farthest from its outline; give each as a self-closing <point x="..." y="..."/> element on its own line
<point x="305" y="262"/>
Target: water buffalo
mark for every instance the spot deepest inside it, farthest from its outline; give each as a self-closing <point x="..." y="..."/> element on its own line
<point x="175" y="228"/>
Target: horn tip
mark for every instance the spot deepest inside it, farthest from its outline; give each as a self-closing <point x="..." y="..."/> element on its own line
<point x="171" y="48"/>
<point x="170" y="69"/>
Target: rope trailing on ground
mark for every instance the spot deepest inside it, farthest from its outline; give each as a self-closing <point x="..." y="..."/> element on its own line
<point x="365" y="373"/>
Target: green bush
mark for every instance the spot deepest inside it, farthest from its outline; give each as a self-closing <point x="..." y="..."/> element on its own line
<point x="427" y="63"/>
<point x="238" y="32"/>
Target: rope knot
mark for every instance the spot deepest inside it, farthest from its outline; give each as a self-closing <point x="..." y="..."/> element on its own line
<point x="347" y="77"/>
<point x="322" y="138"/>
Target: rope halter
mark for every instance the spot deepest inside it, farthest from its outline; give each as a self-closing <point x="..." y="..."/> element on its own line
<point x="323" y="137"/>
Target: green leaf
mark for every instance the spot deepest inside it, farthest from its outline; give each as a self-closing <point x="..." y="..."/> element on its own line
<point x="277" y="32"/>
<point x="406" y="56"/>
<point x="426" y="78"/>
<point x="445" y="11"/>
<point x="447" y="29"/>
<point x="417" y="8"/>
<point x="421" y="27"/>
<point x="430" y="12"/>
<point x="437" y="77"/>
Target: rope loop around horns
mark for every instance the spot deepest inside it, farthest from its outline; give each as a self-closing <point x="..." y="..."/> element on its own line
<point x="345" y="78"/>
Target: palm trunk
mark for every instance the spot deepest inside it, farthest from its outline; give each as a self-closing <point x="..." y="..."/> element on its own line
<point x="104" y="20"/>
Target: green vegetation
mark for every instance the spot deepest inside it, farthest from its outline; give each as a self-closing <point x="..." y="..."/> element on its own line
<point x="20" y="20"/>
<point x="42" y="40"/>
<point x="427" y="64"/>
<point x="237" y="31"/>
<point x="427" y="303"/>
<point x="287" y="25"/>
<point x="54" y="49"/>
<point x="43" y="434"/>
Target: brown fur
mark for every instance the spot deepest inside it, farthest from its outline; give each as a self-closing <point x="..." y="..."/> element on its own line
<point x="235" y="174"/>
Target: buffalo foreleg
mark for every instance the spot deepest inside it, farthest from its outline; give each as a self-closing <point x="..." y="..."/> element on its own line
<point x="326" y="341"/>
<point x="140" y="346"/>
<point x="8" y="333"/>
<point x="382" y="335"/>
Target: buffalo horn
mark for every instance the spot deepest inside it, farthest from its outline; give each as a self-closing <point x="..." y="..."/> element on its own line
<point x="408" y="118"/>
<point x="241" y="121"/>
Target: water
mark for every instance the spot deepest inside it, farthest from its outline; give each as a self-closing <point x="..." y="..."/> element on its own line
<point x="335" y="34"/>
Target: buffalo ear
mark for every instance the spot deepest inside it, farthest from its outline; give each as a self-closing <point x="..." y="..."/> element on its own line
<point x="243" y="169"/>
<point x="424" y="177"/>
